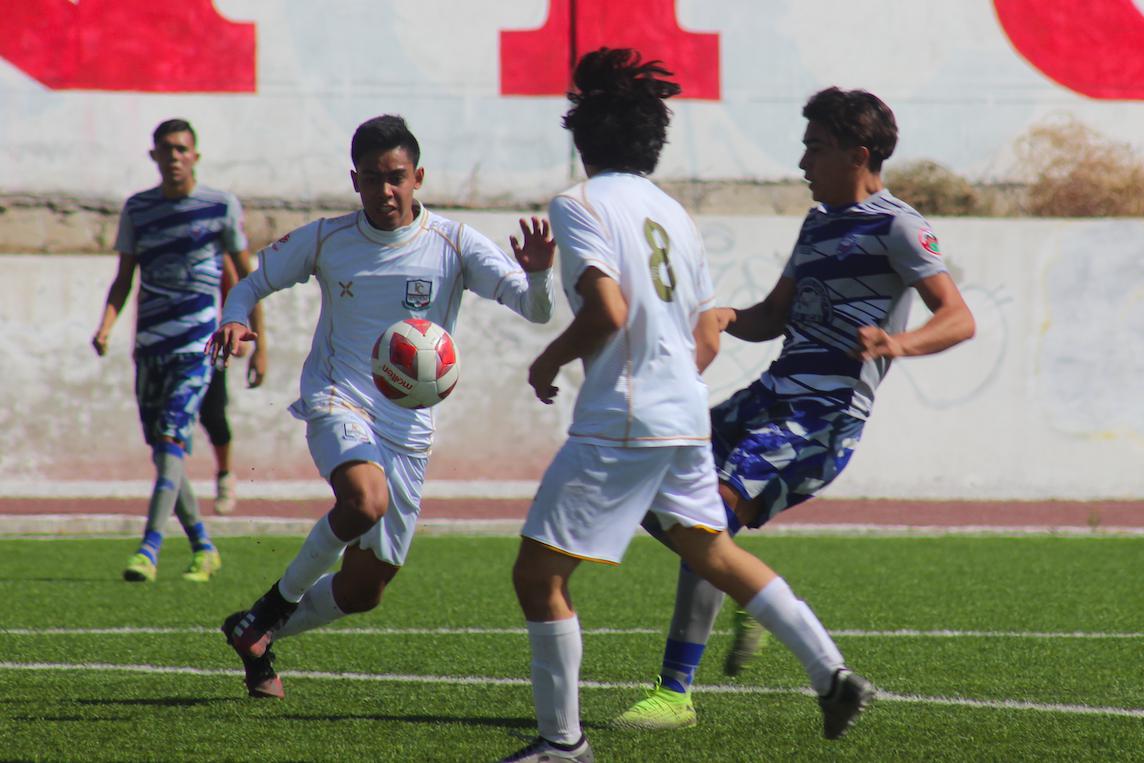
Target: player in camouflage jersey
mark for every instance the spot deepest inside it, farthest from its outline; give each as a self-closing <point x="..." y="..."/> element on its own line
<point x="841" y="306"/>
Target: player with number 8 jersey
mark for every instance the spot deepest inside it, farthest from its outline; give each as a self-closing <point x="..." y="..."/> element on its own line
<point x="623" y="225"/>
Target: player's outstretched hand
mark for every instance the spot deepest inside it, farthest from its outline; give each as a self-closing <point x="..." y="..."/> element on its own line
<point x="541" y="374"/>
<point x="538" y="249"/>
<point x="874" y="342"/>
<point x="225" y="342"/>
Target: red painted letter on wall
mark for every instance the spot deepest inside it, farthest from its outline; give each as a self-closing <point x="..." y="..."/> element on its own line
<point x="1095" y="48"/>
<point x="539" y="61"/>
<point x="144" y="45"/>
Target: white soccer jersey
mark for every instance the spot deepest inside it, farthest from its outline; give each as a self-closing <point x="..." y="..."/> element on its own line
<point x="852" y="267"/>
<point x="642" y="388"/>
<point x="371" y="279"/>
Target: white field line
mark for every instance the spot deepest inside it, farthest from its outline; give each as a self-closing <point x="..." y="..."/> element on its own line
<point x="841" y="632"/>
<point x="883" y="696"/>
<point x="72" y="526"/>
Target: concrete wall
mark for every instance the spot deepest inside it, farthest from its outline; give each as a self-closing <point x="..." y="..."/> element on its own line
<point x="481" y="82"/>
<point x="1044" y="403"/>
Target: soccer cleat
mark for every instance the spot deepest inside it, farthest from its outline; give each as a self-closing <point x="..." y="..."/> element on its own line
<point x="661" y="710"/>
<point x="251" y="634"/>
<point x="262" y="682"/>
<point x="543" y="751"/>
<point x="750" y="636"/>
<point x="849" y="695"/>
<point x="140" y="569"/>
<point x="224" y="494"/>
<point x="203" y="565"/>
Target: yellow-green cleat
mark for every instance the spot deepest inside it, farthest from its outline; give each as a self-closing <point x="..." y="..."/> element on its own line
<point x="140" y="569"/>
<point x="749" y="638"/>
<point x="203" y="565"/>
<point x="661" y="710"/>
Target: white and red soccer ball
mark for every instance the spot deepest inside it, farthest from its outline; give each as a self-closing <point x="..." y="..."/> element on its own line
<point x="415" y="363"/>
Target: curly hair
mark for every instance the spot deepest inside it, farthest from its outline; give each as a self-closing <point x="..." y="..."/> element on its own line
<point x="618" y="117"/>
<point x="855" y="118"/>
<point x="384" y="133"/>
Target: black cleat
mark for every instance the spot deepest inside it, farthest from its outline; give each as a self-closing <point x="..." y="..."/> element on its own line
<point x="262" y="682"/>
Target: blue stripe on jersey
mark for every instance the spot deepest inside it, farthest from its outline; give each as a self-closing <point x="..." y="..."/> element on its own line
<point x="181" y="245"/>
<point x="171" y="344"/>
<point x="827" y="363"/>
<point x="206" y="212"/>
<point x="174" y="311"/>
<point x="827" y="268"/>
<point x="858" y="225"/>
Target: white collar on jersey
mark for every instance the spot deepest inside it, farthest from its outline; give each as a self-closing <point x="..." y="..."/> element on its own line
<point x="395" y="236"/>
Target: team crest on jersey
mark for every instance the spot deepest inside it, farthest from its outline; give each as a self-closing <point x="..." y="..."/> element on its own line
<point x="280" y="242"/>
<point x="846" y="246"/>
<point x="811" y="302"/>
<point x="418" y="294"/>
<point x="928" y="239"/>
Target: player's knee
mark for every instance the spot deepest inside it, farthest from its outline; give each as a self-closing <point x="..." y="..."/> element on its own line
<point x="364" y="503"/>
<point x="361" y="599"/>
<point x="354" y="595"/>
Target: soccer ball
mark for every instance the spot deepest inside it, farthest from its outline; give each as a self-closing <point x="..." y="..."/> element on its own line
<point x="415" y="363"/>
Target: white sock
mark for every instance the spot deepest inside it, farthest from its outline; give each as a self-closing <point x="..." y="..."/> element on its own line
<point x="794" y="624"/>
<point x="318" y="553"/>
<point x="315" y="610"/>
<point x="556" y="650"/>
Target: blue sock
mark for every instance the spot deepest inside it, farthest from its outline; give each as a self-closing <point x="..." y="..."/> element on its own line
<point x="152" y="542"/>
<point x="680" y="660"/>
<point x="200" y="541"/>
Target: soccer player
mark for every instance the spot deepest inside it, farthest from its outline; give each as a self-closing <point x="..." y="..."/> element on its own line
<point x="177" y="234"/>
<point x="391" y="260"/>
<point x="841" y="305"/>
<point x="212" y="415"/>
<point x="635" y="274"/>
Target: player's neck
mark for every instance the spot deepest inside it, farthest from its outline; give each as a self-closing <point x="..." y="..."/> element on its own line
<point x="866" y="185"/>
<point x="177" y="190"/>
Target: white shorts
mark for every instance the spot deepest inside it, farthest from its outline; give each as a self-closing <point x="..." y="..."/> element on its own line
<point x="343" y="436"/>
<point x="592" y="497"/>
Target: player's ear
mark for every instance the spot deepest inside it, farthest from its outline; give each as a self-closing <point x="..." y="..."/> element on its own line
<point x="353" y="179"/>
<point x="860" y="155"/>
<point x="418" y="177"/>
<point x="154" y="155"/>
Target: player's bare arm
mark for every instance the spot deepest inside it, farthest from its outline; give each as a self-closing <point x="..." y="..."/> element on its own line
<point x="767" y="319"/>
<point x="603" y="313"/>
<point x="116" y="298"/>
<point x="707" y="329"/>
<point x="256" y="369"/>
<point x="951" y="323"/>
<point x="536" y="251"/>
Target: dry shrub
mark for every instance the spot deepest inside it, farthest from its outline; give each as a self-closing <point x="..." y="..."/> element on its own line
<point x="933" y="189"/>
<point x="1074" y="171"/>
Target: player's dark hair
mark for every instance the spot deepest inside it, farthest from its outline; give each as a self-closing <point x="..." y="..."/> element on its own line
<point x="384" y="133"/>
<point x="173" y="125"/>
<point x="618" y="117"/>
<point x="855" y="118"/>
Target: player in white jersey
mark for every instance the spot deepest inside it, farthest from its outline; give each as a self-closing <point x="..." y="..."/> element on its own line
<point x="635" y="274"/>
<point x="393" y="259"/>
<point x="841" y="304"/>
<point x="178" y="235"/>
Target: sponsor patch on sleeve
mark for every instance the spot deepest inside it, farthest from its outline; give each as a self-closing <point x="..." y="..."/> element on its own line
<point x="928" y="239"/>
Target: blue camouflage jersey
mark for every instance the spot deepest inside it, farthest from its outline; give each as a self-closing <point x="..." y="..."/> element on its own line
<point x="852" y="267"/>
<point x="179" y="245"/>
